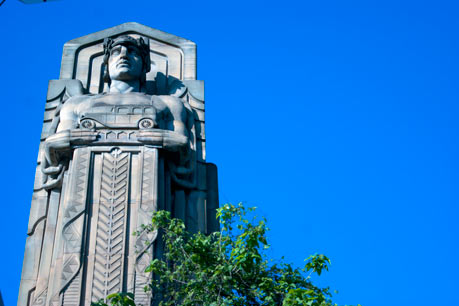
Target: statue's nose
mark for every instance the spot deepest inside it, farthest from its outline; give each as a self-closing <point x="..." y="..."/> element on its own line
<point x="123" y="51"/>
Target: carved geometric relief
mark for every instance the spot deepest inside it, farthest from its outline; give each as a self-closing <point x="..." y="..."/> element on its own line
<point x="73" y="224"/>
<point x="144" y="242"/>
<point x="40" y="299"/>
<point x="72" y="237"/>
<point x="72" y="294"/>
<point x="111" y="225"/>
<point x="71" y="265"/>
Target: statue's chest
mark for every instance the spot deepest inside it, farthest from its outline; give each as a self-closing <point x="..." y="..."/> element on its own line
<point x="118" y="112"/>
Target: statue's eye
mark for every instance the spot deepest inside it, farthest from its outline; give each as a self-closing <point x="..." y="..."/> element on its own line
<point x="115" y="51"/>
<point x="133" y="51"/>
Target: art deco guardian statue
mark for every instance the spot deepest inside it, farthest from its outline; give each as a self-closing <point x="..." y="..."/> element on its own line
<point x="123" y="136"/>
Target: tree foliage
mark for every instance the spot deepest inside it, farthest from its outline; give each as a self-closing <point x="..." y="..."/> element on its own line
<point x="117" y="299"/>
<point x="229" y="267"/>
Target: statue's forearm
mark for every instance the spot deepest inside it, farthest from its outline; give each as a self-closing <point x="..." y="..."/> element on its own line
<point x="57" y="142"/>
<point x="63" y="140"/>
<point x="169" y="140"/>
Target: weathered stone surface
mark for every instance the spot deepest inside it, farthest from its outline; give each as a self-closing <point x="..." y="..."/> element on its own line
<point x="123" y="136"/>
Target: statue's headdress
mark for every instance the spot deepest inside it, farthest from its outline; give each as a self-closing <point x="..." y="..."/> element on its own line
<point x="140" y="43"/>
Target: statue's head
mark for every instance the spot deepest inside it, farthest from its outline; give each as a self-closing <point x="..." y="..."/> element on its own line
<point x="126" y="58"/>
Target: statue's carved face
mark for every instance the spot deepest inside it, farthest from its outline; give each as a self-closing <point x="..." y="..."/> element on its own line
<point x="125" y="63"/>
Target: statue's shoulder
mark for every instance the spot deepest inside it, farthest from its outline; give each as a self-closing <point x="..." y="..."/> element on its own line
<point x="167" y="98"/>
<point x="81" y="98"/>
<point x="166" y="102"/>
<point x="72" y="103"/>
<point x="172" y="102"/>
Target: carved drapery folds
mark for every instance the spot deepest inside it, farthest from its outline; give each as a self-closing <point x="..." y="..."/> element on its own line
<point x="100" y="180"/>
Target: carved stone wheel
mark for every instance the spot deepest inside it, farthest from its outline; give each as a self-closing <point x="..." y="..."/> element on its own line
<point x="87" y="124"/>
<point x="146" y="123"/>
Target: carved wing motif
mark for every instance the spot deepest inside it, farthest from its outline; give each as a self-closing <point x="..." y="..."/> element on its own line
<point x="45" y="204"/>
<point x="200" y="182"/>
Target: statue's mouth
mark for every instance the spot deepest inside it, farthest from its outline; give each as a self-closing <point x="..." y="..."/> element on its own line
<point x="123" y="64"/>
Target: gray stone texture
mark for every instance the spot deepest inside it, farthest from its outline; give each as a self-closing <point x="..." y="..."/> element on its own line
<point x="111" y="154"/>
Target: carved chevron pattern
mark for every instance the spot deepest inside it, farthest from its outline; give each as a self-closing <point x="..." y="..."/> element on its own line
<point x="111" y="232"/>
<point x="147" y="181"/>
<point x="76" y="205"/>
<point x="147" y="207"/>
<point x="73" y="227"/>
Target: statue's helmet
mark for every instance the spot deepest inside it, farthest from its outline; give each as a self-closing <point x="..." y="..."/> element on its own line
<point x="143" y="49"/>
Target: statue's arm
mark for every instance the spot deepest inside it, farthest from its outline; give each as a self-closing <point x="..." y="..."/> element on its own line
<point x="175" y="135"/>
<point x="58" y="141"/>
<point x="66" y="135"/>
<point x="61" y="139"/>
<point x="69" y="124"/>
<point x="68" y="115"/>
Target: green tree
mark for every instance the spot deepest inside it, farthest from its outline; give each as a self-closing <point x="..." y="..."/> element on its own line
<point x="117" y="299"/>
<point x="229" y="267"/>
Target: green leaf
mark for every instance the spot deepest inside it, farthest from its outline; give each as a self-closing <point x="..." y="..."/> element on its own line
<point x="226" y="268"/>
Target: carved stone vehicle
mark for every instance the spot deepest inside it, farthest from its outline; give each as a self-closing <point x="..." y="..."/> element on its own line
<point x="123" y="136"/>
<point x="125" y="116"/>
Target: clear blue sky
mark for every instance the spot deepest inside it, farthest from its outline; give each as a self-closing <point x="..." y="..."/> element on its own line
<point x="338" y="119"/>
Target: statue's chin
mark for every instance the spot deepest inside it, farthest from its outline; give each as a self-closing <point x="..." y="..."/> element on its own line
<point x="125" y="74"/>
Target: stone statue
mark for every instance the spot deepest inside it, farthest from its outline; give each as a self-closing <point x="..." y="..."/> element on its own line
<point x="162" y="121"/>
<point x="107" y="161"/>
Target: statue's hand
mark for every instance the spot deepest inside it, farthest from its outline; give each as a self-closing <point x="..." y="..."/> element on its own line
<point x="62" y="141"/>
<point x="50" y="164"/>
<point x="174" y="141"/>
<point x="165" y="139"/>
<point x="51" y="170"/>
<point x="54" y="143"/>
